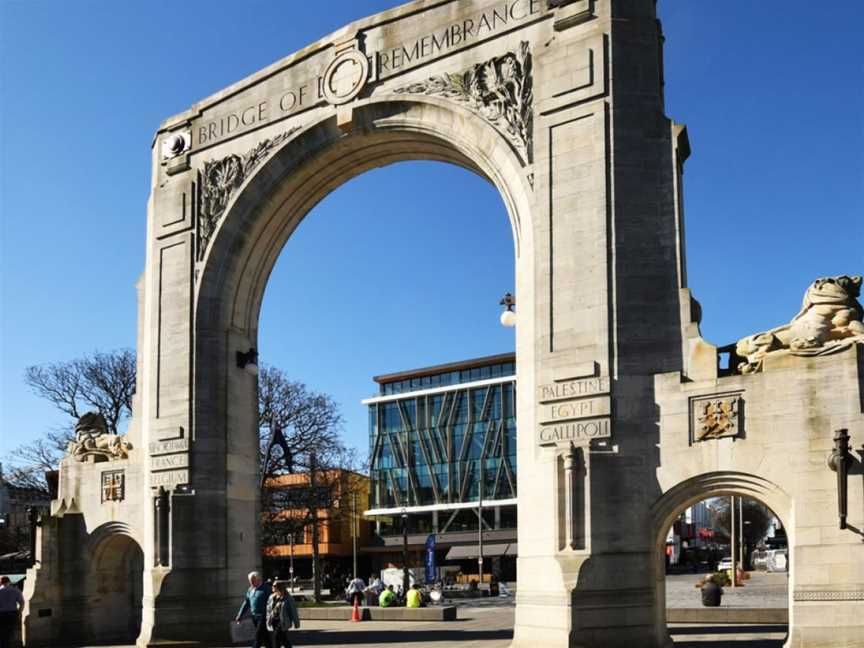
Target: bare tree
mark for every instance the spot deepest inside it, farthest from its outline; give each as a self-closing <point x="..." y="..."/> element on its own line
<point x="104" y="382"/>
<point x="305" y="466"/>
<point x="757" y="521"/>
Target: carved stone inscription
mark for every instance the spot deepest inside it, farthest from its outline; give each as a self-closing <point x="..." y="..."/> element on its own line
<point x="167" y="462"/>
<point x="456" y="35"/>
<point x="169" y="479"/>
<point x="323" y="77"/>
<point x="570" y="389"/>
<point x="577" y="432"/>
<point x="168" y="447"/>
<point x="576" y="409"/>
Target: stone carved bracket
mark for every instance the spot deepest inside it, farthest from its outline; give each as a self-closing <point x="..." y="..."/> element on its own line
<point x="715" y="417"/>
<point x="500" y="90"/>
<point x="221" y="178"/>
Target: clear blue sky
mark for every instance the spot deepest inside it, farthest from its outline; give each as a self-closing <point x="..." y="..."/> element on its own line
<point x="408" y="262"/>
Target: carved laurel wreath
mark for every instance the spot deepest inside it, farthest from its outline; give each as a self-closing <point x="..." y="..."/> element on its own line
<point x="500" y="90"/>
<point x="221" y="178"/>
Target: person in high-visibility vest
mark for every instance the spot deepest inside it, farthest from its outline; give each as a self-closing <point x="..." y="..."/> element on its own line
<point x="413" y="599"/>
<point x="387" y="597"/>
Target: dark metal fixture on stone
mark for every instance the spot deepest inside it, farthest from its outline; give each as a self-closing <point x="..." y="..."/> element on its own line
<point x="839" y="461"/>
<point x="34" y="518"/>
<point x="248" y="361"/>
<point x="163" y="510"/>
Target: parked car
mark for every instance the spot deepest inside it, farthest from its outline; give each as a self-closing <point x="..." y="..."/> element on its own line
<point x="725" y="563"/>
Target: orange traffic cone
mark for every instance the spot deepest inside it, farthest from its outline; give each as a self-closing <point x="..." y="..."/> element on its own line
<point x="355" y="613"/>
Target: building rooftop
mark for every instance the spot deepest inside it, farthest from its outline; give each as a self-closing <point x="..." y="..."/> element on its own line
<point x="473" y="363"/>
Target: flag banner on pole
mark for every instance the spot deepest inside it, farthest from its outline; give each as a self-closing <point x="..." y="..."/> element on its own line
<point x="430" y="558"/>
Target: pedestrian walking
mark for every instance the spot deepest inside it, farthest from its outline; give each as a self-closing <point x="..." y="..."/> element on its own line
<point x="282" y="615"/>
<point x="255" y="604"/>
<point x="355" y="591"/>
<point x="11" y="602"/>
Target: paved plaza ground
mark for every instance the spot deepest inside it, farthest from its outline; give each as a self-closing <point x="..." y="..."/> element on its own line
<point x="492" y="627"/>
<point x="488" y="623"/>
<point x="761" y="590"/>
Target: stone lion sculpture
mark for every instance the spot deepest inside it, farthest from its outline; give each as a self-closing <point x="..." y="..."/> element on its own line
<point x="829" y="320"/>
<point x="94" y="442"/>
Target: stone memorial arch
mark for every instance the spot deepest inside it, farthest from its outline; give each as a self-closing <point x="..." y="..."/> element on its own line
<point x="624" y="415"/>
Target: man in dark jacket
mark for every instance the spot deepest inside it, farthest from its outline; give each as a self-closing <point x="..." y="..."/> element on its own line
<point x="256" y="604"/>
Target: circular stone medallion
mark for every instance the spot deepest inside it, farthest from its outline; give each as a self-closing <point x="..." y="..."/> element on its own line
<point x="345" y="77"/>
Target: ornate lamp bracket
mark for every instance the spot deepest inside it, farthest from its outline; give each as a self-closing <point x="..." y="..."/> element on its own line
<point x="839" y="461"/>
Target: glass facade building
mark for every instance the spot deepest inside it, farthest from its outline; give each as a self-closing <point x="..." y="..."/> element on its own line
<point x="443" y="436"/>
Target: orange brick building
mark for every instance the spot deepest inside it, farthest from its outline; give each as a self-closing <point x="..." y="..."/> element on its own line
<point x="338" y="524"/>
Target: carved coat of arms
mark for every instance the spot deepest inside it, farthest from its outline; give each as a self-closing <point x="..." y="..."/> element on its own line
<point x="714" y="418"/>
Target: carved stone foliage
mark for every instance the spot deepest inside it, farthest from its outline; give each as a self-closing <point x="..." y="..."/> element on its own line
<point x="500" y="90"/>
<point x="94" y="443"/>
<point x="221" y="178"/>
<point x="113" y="486"/>
<point x="716" y="417"/>
<point x="829" y="321"/>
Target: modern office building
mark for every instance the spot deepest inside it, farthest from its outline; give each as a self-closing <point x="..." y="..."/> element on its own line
<point x="442" y="446"/>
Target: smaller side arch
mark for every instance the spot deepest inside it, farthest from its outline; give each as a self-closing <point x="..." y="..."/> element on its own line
<point x="699" y="487"/>
<point x="114" y="583"/>
<point x="715" y="484"/>
<point x="104" y="532"/>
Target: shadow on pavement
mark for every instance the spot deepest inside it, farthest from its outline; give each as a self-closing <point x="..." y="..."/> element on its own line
<point x="397" y="637"/>
<point x="728" y="629"/>
<point x="744" y="643"/>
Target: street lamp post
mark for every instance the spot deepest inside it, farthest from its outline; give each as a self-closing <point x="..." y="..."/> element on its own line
<point x="291" y="563"/>
<point x="480" y="528"/>
<point x="741" y="532"/>
<point x="405" y="577"/>
<point x="733" y="542"/>
<point x="354" y="529"/>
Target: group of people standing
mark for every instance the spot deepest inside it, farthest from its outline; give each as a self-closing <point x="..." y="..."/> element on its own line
<point x="273" y="613"/>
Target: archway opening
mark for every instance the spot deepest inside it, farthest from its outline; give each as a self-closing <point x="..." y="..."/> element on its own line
<point x="723" y="566"/>
<point x="115" y="589"/>
<point x="430" y="260"/>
